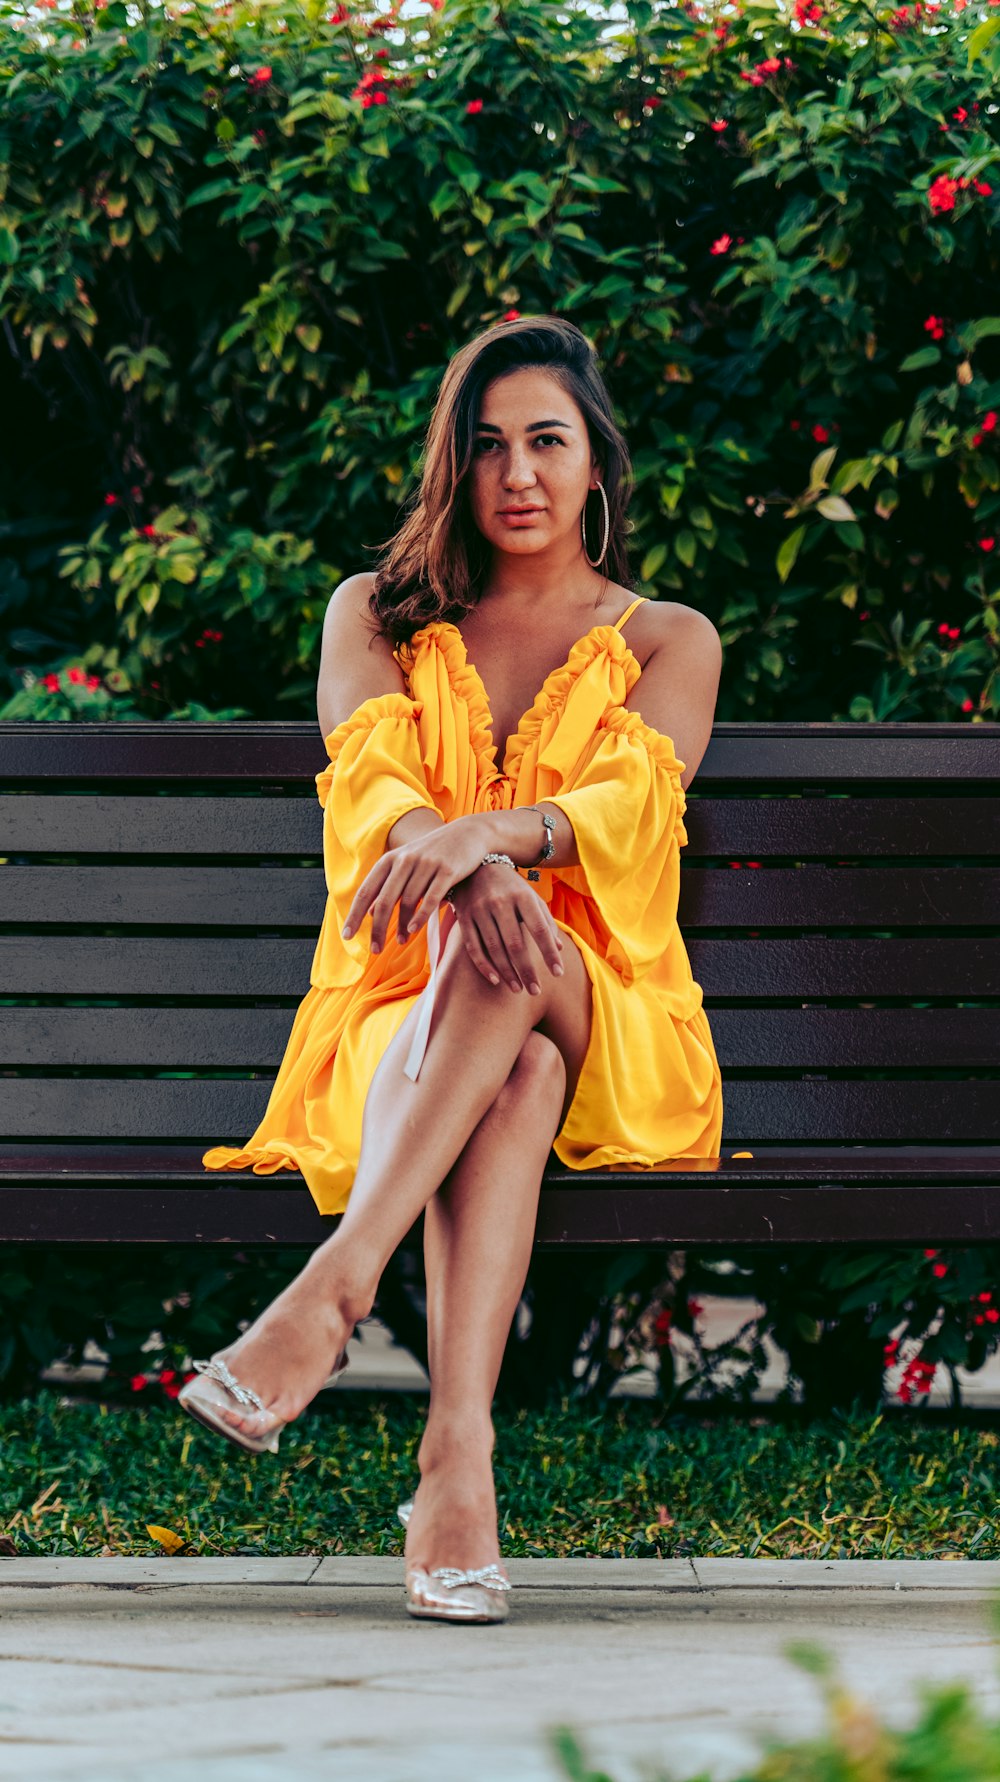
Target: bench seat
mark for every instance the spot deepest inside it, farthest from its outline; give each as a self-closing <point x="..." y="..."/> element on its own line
<point x="162" y="889"/>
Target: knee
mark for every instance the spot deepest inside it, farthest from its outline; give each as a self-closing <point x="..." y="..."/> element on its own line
<point x="538" y="1073"/>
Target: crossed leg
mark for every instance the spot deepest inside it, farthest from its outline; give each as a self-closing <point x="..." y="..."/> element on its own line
<point x="413" y="1135"/>
<point x="478" y="1231"/>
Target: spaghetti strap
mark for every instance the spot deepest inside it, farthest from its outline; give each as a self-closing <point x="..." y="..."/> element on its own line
<point x="628" y="613"/>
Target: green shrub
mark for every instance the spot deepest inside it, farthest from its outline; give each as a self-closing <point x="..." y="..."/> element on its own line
<point x="238" y="248"/>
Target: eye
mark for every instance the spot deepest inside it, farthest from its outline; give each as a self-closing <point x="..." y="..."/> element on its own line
<point x="484" y="440"/>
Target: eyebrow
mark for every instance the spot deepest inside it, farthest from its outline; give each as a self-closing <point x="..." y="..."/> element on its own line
<point x="485" y="427"/>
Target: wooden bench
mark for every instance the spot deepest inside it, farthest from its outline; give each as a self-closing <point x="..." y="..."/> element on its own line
<point x="161" y="894"/>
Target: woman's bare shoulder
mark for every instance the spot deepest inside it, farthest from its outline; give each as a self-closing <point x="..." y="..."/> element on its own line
<point x="356" y="663"/>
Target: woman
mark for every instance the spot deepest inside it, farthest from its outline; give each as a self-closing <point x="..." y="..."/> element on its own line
<point x="499" y="971"/>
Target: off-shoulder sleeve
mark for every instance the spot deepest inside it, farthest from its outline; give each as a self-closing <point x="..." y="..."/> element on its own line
<point x="375" y="774"/>
<point x="626" y="803"/>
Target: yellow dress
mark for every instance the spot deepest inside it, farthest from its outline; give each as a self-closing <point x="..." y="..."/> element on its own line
<point x="650" y="1088"/>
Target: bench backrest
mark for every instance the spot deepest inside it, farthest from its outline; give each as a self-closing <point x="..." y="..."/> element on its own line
<point x="162" y="889"/>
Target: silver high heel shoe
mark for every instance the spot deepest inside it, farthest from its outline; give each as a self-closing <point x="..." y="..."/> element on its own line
<point x="203" y="1400"/>
<point x="447" y="1594"/>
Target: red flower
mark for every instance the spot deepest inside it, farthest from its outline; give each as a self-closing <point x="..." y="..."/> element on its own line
<point x="111" y="501"/>
<point x="473" y="107"/>
<point x="93" y="681"/>
<point x="863" y="616"/>
<point x="651" y="103"/>
<point x="992" y="1315"/>
<point x="918" y="1376"/>
<point x="719" y="124"/>
<point x="76" y="675"/>
<point x="940" y="1269"/>
<point x="934" y="327"/>
<point x="51" y="681"/>
<point x="989" y="422"/>
<point x="981" y="186"/>
<point x="986" y="544"/>
<point x="890" y="1351"/>
<point x="511" y="315"/>
<point x="149" y="531"/>
<point x="820" y="434"/>
<point x="931" y="1252"/>
<point x="942" y="194"/>
<point x="340" y="17"/>
<point x="662" y="1328"/>
<point x="259" y="78"/>
<point x="967" y="705"/>
<point x="721" y="246"/>
<point x="138" y="1382"/>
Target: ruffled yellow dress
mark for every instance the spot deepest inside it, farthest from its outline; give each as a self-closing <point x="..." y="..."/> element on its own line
<point x="650" y="1088"/>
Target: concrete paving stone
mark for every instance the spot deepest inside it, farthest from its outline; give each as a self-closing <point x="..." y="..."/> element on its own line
<point x="980" y="1575"/>
<point x="527" y="1574"/>
<point x="119" y="1570"/>
<point x="231" y="1682"/>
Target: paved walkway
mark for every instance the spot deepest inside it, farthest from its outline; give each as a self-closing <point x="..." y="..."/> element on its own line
<point x="258" y="1670"/>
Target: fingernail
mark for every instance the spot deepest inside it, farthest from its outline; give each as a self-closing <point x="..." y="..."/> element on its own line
<point x="346" y="930"/>
<point x="493" y="978"/>
<point x="375" y="946"/>
<point x="559" y="971"/>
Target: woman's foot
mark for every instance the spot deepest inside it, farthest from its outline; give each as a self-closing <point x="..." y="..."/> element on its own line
<point x="287" y="1354"/>
<point x="454" y="1517"/>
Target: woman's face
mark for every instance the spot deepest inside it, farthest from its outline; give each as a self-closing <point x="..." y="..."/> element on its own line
<point x="530" y="449"/>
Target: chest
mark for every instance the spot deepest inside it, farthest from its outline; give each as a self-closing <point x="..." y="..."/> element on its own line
<point x="512" y="674"/>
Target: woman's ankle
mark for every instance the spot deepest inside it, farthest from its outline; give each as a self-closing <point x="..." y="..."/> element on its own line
<point x="456" y="1442"/>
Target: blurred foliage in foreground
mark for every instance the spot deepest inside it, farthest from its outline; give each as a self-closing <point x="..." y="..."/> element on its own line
<point x="952" y="1739"/>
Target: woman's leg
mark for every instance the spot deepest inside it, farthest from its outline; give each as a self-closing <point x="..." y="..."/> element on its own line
<point x="478" y="1233"/>
<point x="412" y="1134"/>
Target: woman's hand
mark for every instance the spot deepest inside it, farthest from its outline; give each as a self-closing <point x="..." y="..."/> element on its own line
<point x="495" y="909"/>
<point x="494" y="905"/>
<point x="421" y="871"/>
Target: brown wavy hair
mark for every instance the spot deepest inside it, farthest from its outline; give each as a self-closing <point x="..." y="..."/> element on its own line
<point x="435" y="565"/>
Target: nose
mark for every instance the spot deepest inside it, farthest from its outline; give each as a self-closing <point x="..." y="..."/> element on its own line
<point x="520" y="472"/>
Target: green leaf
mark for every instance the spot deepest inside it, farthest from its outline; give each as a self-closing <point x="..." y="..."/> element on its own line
<point x="919" y="361"/>
<point x="216" y="188"/>
<point x="980" y="37"/>
<point x="788" y="550"/>
<point x="686" y="546"/>
<point x="9" y="249"/>
<point x="834" y="507"/>
<point x="652" y="561"/>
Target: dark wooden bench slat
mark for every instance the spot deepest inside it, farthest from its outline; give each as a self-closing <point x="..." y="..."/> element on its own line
<point x="188" y="821"/>
<point x="227" y="1111"/>
<point x="205" y="897"/>
<point x="244" y="1039"/>
<point x="762" y="969"/>
<point x="618" y="1215"/>
<point x="791" y="754"/>
<point x="144" y="1163"/>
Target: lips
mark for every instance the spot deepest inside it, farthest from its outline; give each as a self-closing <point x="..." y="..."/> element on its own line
<point x="521" y="510"/>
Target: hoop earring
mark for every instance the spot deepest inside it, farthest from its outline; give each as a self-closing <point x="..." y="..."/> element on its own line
<point x="595" y="561"/>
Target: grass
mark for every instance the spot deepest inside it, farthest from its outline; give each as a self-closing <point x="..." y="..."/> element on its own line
<point x="81" y="1477"/>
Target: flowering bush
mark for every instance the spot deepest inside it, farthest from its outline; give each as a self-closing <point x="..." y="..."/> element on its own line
<point x="238" y="248"/>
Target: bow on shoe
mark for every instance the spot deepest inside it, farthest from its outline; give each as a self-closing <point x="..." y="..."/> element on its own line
<point x="490" y="1575"/>
<point x="217" y="1370"/>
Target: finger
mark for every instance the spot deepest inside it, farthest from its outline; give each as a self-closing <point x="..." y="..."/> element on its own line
<point x="496" y="952"/>
<point x="474" y="948"/>
<point x="512" y="936"/>
<point x="368" y="889"/>
<point x="432" y="898"/>
<point x="409" y="917"/>
<point x="546" y="935"/>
